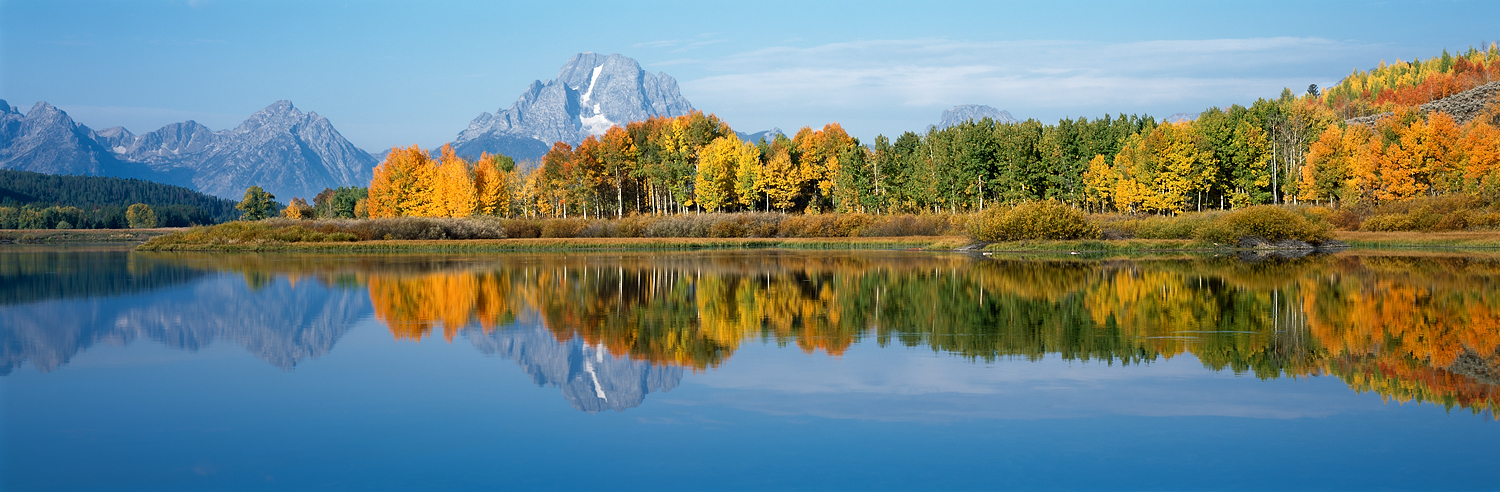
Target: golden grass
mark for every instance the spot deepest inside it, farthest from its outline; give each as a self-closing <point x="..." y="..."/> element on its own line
<point x="559" y="244"/>
<point x="1413" y="239"/>
<point x="49" y="236"/>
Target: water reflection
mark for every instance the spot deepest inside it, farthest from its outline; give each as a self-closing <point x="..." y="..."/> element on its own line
<point x="590" y="377"/>
<point x="1409" y="328"/>
<point x="608" y="329"/>
<point x="63" y="302"/>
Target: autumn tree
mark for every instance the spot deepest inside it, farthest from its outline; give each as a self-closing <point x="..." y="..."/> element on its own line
<point x="492" y="185"/>
<point x="718" y="166"/>
<point x="140" y="216"/>
<point x="781" y="179"/>
<point x="620" y="159"/>
<point x="298" y="209"/>
<point x="257" y="203"/>
<point x="1329" y="167"/>
<point x="454" y="191"/>
<point x="403" y="185"/>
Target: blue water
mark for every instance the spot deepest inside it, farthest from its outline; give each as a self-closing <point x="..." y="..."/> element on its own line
<point x="210" y="383"/>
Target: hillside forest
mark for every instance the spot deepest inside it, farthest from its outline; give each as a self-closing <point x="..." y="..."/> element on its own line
<point x="1292" y="149"/>
<point x="31" y="200"/>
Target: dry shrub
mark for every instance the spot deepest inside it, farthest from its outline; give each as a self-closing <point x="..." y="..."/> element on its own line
<point x="1484" y="220"/>
<point x="1039" y="220"/>
<point x="563" y="228"/>
<point x="1441" y="213"/>
<point x="1270" y="222"/>
<point x="908" y="225"/>
<point x="522" y="228"/>
<point x="1345" y="220"/>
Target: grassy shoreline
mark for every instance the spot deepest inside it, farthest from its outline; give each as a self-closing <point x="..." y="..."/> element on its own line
<point x="936" y="243"/>
<point x="1356" y="240"/>
<point x="82" y="236"/>
<point x="1443" y="241"/>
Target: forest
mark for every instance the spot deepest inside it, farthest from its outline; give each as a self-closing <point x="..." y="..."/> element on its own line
<point x="31" y="200"/>
<point x="1292" y="149"/>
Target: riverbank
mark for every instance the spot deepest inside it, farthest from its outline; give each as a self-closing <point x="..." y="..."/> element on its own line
<point x="1356" y="240"/>
<point x="81" y="236"/>
<point x="935" y="243"/>
<point x="1421" y="240"/>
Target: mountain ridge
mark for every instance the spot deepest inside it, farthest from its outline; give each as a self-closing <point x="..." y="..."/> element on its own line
<point x="279" y="148"/>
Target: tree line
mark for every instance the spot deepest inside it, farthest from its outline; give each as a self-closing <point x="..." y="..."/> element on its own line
<point x="1382" y="89"/>
<point x="30" y="200"/>
<point x="1290" y="149"/>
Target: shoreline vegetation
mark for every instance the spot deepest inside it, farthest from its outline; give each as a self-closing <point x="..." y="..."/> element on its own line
<point x="1031" y="227"/>
<point x="1357" y="240"/>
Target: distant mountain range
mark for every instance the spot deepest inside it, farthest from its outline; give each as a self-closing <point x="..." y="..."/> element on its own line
<point x="294" y="154"/>
<point x="1180" y="117"/>
<point x="591" y="93"/>
<point x="281" y="149"/>
<point x="974" y="112"/>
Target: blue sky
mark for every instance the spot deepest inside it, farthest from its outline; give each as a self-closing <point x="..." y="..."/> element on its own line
<point x="401" y="73"/>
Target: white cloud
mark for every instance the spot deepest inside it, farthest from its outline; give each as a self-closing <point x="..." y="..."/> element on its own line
<point x="915" y="384"/>
<point x="1046" y="79"/>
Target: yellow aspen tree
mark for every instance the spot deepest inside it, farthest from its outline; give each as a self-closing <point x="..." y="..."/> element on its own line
<point x="454" y="193"/>
<point x="1401" y="171"/>
<point x="1369" y="151"/>
<point x="621" y="159"/>
<point x="1134" y="188"/>
<point x="834" y="142"/>
<point x="1099" y="181"/>
<point x="398" y="182"/>
<point x="1329" y="165"/>
<point x="1444" y="170"/>
<point x="782" y="179"/>
<point x="588" y="175"/>
<point x="1480" y="150"/>
<point x="713" y="186"/>
<point x="748" y="184"/>
<point x="1177" y="156"/>
<point x="492" y="186"/>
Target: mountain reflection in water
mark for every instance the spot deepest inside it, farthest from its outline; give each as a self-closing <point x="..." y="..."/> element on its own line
<point x="608" y="329"/>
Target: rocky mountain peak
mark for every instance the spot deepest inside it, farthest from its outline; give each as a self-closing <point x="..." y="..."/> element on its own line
<point x="280" y="114"/>
<point x="592" y="92"/>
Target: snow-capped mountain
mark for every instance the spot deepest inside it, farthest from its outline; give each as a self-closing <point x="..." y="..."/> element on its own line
<point x="966" y="112"/>
<point x="591" y="378"/>
<point x="591" y="93"/>
<point x="281" y="149"/>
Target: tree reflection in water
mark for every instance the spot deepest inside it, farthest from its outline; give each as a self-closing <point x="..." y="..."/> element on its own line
<point x="1407" y="327"/>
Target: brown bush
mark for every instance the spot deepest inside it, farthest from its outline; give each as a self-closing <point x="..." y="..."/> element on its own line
<point x="1040" y="220"/>
<point x="1271" y="222"/>
<point x="1344" y="220"/>
<point x="563" y="228"/>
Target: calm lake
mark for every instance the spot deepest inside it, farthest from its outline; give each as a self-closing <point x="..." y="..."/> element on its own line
<point x="758" y="369"/>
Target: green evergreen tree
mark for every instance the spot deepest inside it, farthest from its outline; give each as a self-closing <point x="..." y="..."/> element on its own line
<point x="257" y="204"/>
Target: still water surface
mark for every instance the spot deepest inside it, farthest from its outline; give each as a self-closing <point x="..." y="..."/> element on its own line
<point x="745" y="370"/>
